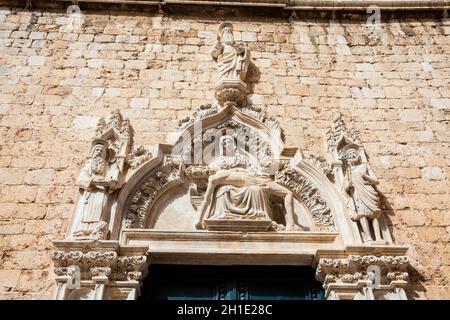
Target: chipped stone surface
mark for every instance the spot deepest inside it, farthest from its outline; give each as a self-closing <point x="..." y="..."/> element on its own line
<point x="55" y="85"/>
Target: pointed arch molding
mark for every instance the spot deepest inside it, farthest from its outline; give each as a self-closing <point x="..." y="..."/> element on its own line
<point x="156" y="177"/>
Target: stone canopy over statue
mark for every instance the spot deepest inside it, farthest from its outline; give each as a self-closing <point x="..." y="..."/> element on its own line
<point x="96" y="180"/>
<point x="358" y="182"/>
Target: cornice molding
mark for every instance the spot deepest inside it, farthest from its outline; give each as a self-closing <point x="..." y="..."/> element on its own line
<point x="282" y="4"/>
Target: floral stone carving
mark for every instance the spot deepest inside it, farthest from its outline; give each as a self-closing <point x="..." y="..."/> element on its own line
<point x="353" y="276"/>
<point x="149" y="190"/>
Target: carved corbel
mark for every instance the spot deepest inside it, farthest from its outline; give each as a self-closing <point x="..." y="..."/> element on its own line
<point x="132" y="268"/>
<point x="65" y="263"/>
<point x="138" y="157"/>
<point x="357" y="183"/>
<point x="100" y="265"/>
<point x="364" y="277"/>
<point x="93" y="272"/>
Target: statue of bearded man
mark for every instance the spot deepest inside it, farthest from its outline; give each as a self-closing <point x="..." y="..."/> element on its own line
<point x="232" y="59"/>
<point x="95" y="182"/>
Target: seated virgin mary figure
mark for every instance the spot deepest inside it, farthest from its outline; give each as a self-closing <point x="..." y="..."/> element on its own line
<point x="234" y="192"/>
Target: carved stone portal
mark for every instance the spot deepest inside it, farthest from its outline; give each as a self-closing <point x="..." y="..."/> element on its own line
<point x="228" y="189"/>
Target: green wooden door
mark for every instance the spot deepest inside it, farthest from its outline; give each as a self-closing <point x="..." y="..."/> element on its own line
<point x="166" y="282"/>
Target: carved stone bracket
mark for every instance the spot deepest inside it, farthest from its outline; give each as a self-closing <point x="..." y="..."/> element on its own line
<point x="364" y="277"/>
<point x="95" y="265"/>
<point x="139" y="156"/>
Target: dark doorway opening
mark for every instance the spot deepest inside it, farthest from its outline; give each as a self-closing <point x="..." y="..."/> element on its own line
<point x="183" y="282"/>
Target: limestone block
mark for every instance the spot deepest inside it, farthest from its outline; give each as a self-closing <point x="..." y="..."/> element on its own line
<point x="433" y="173"/>
<point x="8" y="279"/>
<point x="36" y="61"/>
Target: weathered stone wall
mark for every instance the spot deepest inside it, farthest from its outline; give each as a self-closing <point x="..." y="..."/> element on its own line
<point x="391" y="84"/>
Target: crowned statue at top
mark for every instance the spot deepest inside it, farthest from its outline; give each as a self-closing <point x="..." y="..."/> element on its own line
<point x="233" y="61"/>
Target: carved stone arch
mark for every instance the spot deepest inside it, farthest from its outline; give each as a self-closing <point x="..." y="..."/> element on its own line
<point x="146" y="172"/>
<point x="310" y="185"/>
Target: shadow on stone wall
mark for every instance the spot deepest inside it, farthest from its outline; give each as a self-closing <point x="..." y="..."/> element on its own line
<point x="415" y="287"/>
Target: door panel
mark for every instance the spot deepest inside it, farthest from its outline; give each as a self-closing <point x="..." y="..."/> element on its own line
<point x="231" y="283"/>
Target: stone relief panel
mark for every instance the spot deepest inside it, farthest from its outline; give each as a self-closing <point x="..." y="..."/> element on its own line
<point x="229" y="156"/>
<point x="228" y="171"/>
<point x="234" y="182"/>
<point x="174" y="211"/>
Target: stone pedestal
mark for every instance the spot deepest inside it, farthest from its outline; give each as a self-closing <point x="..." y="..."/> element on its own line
<point x="231" y="91"/>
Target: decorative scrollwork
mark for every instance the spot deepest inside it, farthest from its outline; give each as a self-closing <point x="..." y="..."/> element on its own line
<point x="156" y="181"/>
<point x="355" y="267"/>
<point x="139" y="155"/>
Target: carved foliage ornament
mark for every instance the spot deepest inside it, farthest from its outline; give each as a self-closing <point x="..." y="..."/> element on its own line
<point x="147" y="191"/>
<point x="100" y="264"/>
<point x="310" y="195"/>
<point x="138" y="157"/>
<point x="355" y="268"/>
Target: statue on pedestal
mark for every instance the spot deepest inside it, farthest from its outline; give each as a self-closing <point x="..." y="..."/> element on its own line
<point x="96" y="180"/>
<point x="100" y="177"/>
<point x="233" y="61"/>
<point x="359" y="185"/>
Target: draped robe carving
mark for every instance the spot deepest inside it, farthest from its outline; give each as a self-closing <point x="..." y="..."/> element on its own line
<point x="246" y="202"/>
<point x="233" y="59"/>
